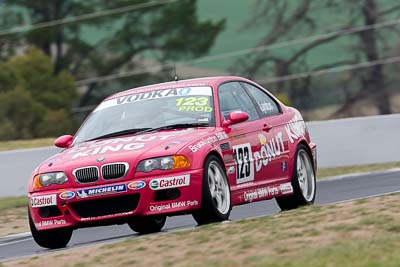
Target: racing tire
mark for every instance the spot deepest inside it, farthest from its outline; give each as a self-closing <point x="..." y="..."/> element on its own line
<point x="216" y="204"/>
<point x="148" y="224"/>
<point x="303" y="182"/>
<point x="52" y="239"/>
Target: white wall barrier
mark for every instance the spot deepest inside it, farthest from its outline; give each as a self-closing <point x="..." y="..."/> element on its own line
<point x="356" y="141"/>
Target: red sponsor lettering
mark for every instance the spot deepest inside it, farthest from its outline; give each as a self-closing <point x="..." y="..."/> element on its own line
<point x="173" y="182"/>
<point x="41" y="201"/>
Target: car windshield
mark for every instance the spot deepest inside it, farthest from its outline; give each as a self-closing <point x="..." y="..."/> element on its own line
<point x="144" y="111"/>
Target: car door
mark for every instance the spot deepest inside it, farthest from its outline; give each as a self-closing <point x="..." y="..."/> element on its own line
<point x="245" y="142"/>
<point x="275" y="145"/>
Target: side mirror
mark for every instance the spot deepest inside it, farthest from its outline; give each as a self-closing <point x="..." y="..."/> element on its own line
<point x="63" y="141"/>
<point x="235" y="117"/>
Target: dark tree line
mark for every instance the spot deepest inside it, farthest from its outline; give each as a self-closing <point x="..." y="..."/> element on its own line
<point x="168" y="31"/>
<point x="89" y="48"/>
<point x="286" y="19"/>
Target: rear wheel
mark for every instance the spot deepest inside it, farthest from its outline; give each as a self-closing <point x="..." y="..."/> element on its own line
<point x="148" y="224"/>
<point x="55" y="238"/>
<point x="216" y="196"/>
<point x="303" y="182"/>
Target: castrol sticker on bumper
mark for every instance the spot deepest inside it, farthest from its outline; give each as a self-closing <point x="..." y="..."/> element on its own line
<point x="170" y="182"/>
<point x="43" y="201"/>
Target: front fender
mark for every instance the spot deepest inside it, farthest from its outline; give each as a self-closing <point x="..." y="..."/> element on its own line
<point x="198" y="151"/>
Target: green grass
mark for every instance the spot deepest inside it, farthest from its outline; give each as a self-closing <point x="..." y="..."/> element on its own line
<point x="327" y="172"/>
<point x="374" y="252"/>
<point x="22" y="144"/>
<point x="7" y="203"/>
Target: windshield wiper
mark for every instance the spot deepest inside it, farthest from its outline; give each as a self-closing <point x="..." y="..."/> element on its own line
<point x="123" y="132"/>
<point x="177" y="125"/>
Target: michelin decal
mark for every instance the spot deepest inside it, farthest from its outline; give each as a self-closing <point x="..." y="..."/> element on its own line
<point x="103" y="190"/>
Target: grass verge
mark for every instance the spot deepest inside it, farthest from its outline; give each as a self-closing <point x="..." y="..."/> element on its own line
<point x="359" y="233"/>
<point x="13" y="217"/>
<point x="7" y="203"/>
<point x="328" y="172"/>
<point x="22" y="144"/>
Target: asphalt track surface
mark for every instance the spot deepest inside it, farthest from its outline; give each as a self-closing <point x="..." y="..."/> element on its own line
<point x="328" y="191"/>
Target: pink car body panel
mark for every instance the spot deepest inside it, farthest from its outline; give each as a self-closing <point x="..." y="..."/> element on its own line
<point x="269" y="143"/>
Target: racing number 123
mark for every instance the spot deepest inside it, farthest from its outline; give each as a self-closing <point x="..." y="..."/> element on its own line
<point x="244" y="163"/>
<point x="192" y="101"/>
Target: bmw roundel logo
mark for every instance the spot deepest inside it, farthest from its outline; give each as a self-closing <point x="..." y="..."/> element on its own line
<point x="137" y="185"/>
<point x="101" y="159"/>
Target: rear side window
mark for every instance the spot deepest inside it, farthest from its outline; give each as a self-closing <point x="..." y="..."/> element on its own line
<point x="233" y="97"/>
<point x="266" y="104"/>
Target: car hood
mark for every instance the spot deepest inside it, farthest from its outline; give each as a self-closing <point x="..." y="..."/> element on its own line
<point x="128" y="148"/>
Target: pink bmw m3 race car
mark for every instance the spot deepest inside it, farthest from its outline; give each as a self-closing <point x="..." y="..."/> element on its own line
<point x="195" y="147"/>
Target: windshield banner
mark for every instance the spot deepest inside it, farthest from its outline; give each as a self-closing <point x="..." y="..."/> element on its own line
<point x="156" y="94"/>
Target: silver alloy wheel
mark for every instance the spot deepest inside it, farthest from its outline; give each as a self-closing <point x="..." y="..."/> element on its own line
<point x="305" y="175"/>
<point x="219" y="188"/>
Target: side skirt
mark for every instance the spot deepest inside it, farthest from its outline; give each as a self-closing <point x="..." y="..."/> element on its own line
<point x="262" y="192"/>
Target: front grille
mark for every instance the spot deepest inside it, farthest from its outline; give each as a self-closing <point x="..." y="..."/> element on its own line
<point x="105" y="206"/>
<point x="114" y="170"/>
<point x="86" y="175"/>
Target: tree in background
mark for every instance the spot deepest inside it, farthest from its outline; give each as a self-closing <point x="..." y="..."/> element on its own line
<point x="116" y="43"/>
<point x="34" y="102"/>
<point x="283" y="20"/>
<point x="8" y="19"/>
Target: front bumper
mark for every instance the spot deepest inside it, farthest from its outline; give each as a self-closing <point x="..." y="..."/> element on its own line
<point x="114" y="202"/>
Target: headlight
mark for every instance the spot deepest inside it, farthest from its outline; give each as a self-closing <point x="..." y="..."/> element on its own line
<point x="163" y="163"/>
<point x="46" y="179"/>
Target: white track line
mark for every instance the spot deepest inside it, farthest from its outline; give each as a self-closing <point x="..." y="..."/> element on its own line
<point x="356" y="175"/>
<point x="16" y="235"/>
<point x="359" y="198"/>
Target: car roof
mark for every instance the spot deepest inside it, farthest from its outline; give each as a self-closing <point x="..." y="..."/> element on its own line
<point x="205" y="81"/>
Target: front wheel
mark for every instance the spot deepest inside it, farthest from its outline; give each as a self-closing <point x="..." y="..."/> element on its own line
<point x="216" y="196"/>
<point x="303" y="182"/>
<point x="52" y="239"/>
<point x="148" y="224"/>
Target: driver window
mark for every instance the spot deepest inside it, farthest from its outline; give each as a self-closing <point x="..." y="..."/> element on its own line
<point x="232" y="97"/>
